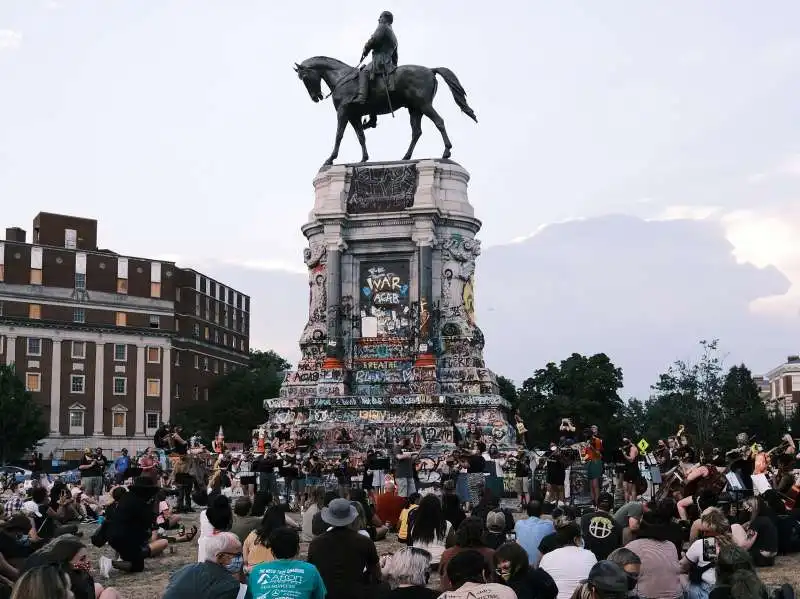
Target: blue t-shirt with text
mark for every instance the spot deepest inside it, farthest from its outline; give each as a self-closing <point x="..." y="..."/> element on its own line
<point x="286" y="579"/>
<point x="121" y="464"/>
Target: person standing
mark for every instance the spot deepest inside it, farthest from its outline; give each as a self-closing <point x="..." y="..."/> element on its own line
<point x="522" y="474"/>
<point x="121" y="465"/>
<point x="630" y="474"/>
<point x="594" y="462"/>
<point x="404" y="469"/>
<point x="92" y="467"/>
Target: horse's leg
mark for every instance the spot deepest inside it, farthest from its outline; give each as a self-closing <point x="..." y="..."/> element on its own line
<point x="416" y="131"/>
<point x="429" y="112"/>
<point x="355" y="121"/>
<point x="341" y="123"/>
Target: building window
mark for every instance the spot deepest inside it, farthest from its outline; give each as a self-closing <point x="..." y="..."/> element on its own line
<point x="79" y="350"/>
<point x="120" y="385"/>
<point x="177" y="326"/>
<point x="197" y="304"/>
<point x="195" y="393"/>
<point x="155" y="321"/>
<point x="206" y="334"/>
<point x="34" y="346"/>
<point x="241" y="344"/>
<point x="76" y="421"/>
<point x="120" y="352"/>
<point x="152" y="420"/>
<point x="2" y="270"/>
<point x="153" y="387"/>
<point x="34" y="311"/>
<point x="216" y="336"/>
<point x="119" y="421"/>
<point x="177" y="294"/>
<point x="77" y="383"/>
<point x="122" y="286"/>
<point x="78" y="315"/>
<point x="36" y="276"/>
<point x="70" y="239"/>
<point x="153" y="355"/>
<point x="205" y="394"/>
<point x="225" y="339"/>
<point x="33" y="382"/>
<point x="224" y="368"/>
<point x="80" y="280"/>
<point x="177" y="361"/>
<point x="197" y="361"/>
<point x="205" y="364"/>
<point x="216" y="367"/>
<point x="177" y="391"/>
<point x="196" y="330"/>
<point x="155" y="289"/>
<point x="121" y="319"/>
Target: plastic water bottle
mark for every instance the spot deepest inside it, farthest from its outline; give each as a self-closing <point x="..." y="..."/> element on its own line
<point x="100" y="520"/>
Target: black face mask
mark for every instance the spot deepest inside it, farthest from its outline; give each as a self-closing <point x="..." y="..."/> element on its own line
<point x="633" y="580"/>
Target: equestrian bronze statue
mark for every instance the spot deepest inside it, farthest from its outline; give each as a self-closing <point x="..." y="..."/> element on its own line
<point x="380" y="88"/>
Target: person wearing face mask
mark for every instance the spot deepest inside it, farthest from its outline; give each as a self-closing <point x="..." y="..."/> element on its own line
<point x="512" y="569"/>
<point x="72" y="556"/>
<point x="219" y="577"/>
<point x="470" y="575"/>
<point x="569" y="564"/>
<point x="631" y="564"/>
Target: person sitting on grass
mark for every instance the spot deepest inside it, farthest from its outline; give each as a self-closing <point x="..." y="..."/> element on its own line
<point x="299" y="579"/>
<point x="218" y="576"/>
<point x="71" y="554"/>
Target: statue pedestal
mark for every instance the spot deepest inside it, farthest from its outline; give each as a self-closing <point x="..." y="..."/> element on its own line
<point x="391" y="348"/>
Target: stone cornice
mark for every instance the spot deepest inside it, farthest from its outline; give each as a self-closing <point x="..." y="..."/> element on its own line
<point x="55" y="331"/>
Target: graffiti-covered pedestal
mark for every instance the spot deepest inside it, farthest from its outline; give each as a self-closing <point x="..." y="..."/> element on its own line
<point x="391" y="347"/>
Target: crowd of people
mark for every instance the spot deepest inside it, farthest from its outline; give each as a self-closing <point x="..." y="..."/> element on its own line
<point x="458" y="540"/>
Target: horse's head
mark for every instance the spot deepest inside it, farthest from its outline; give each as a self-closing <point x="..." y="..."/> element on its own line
<point x="311" y="78"/>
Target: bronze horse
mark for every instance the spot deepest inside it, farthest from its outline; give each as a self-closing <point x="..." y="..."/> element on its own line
<point x="414" y="88"/>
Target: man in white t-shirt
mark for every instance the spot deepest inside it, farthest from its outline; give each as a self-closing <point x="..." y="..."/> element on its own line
<point x="468" y="574"/>
<point x="570" y="564"/>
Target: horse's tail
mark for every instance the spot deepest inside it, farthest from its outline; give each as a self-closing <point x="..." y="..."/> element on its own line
<point x="459" y="95"/>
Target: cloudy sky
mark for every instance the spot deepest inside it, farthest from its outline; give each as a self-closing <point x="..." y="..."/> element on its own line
<point x="648" y="148"/>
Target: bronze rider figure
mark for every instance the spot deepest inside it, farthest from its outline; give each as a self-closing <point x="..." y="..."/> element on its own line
<point x="383" y="45"/>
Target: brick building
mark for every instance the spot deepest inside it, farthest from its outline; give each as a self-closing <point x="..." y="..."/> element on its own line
<point x="784" y="387"/>
<point x="110" y="345"/>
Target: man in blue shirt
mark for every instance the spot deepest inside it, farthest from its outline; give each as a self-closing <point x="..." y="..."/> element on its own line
<point x="286" y="577"/>
<point x="121" y="465"/>
<point x="532" y="530"/>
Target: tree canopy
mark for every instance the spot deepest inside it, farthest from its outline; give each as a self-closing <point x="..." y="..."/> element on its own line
<point x="236" y="400"/>
<point x="22" y="424"/>
<point x="713" y="404"/>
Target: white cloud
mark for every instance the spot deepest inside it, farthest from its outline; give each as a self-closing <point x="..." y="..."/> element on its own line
<point x="679" y="212"/>
<point x="10" y="39"/>
<point x="769" y="239"/>
<point x="788" y="167"/>
<point x="543" y="226"/>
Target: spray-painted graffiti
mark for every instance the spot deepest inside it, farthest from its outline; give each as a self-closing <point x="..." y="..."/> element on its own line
<point x="315" y="258"/>
<point x="383" y="350"/>
<point x="385" y="297"/>
<point x="453" y="361"/>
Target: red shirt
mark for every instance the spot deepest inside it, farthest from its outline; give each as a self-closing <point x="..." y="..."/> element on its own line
<point x="388" y="507"/>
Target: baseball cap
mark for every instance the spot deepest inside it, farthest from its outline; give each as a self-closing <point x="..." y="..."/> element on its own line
<point x="605" y="499"/>
<point x="496" y="522"/>
<point x="608" y="578"/>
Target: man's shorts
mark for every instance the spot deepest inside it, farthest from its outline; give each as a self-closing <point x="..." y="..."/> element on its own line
<point x="92" y="485"/>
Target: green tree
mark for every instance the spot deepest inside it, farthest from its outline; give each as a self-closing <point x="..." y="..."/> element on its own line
<point x="236" y="400"/>
<point x="743" y="411"/>
<point x="508" y="391"/>
<point x="22" y="423"/>
<point x="583" y="388"/>
<point x="689" y="393"/>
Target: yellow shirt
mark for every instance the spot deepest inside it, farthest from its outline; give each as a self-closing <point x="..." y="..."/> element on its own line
<point x="402" y="532"/>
